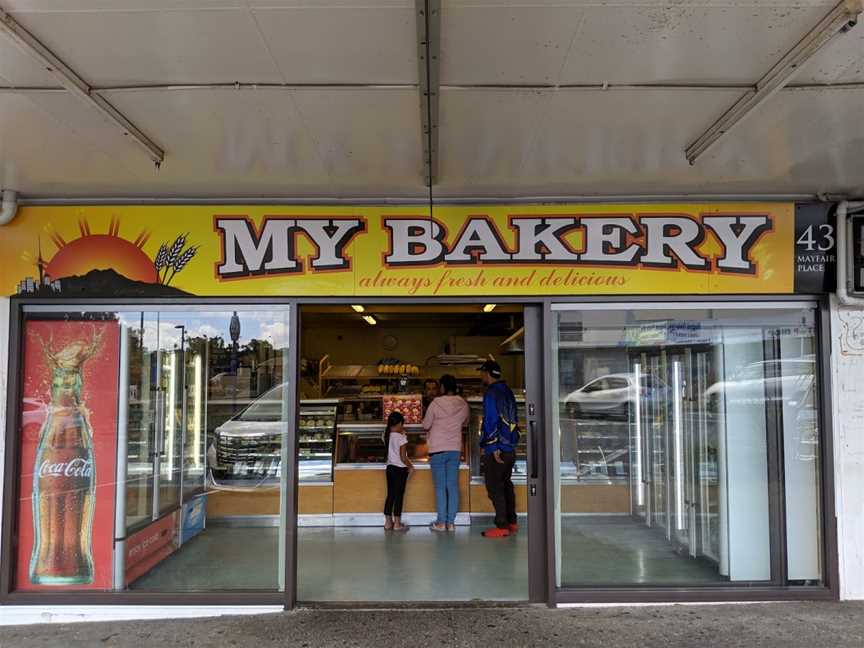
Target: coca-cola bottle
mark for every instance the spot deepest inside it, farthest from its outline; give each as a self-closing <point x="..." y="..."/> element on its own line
<point x="64" y="476"/>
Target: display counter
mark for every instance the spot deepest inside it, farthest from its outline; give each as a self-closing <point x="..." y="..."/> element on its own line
<point x="363" y="443"/>
<point x="342" y="458"/>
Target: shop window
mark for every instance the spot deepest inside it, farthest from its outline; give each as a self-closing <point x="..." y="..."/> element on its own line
<point x="142" y="465"/>
<point x="688" y="447"/>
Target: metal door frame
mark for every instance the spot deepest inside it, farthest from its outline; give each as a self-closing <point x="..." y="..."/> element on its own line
<point x="536" y="397"/>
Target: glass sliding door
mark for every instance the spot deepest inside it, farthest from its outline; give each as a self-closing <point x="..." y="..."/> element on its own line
<point x="169" y="440"/>
<point x="688" y="446"/>
<point x="142" y="406"/>
<point x="217" y="464"/>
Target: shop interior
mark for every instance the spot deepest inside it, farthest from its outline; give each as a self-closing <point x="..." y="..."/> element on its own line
<point x="356" y="364"/>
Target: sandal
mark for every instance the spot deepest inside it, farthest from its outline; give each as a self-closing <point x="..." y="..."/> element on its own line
<point x="401" y="528"/>
<point x="437" y="527"/>
<point x="451" y="527"/>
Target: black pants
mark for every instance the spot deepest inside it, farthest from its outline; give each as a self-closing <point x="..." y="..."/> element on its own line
<point x="397" y="478"/>
<point x="499" y="487"/>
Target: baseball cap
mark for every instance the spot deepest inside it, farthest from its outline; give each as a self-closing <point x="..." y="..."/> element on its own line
<point x="491" y="367"/>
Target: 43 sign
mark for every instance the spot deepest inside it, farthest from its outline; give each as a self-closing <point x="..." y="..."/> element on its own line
<point x="815" y="248"/>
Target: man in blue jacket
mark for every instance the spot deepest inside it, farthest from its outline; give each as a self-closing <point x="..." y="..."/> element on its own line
<point x="498" y="441"/>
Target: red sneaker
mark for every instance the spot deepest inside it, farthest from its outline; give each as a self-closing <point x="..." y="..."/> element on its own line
<point x="514" y="528"/>
<point x="496" y="533"/>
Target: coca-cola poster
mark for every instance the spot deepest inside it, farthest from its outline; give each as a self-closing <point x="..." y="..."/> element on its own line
<point x="68" y="455"/>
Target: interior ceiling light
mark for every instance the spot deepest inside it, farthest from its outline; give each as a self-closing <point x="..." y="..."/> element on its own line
<point x="488" y="308"/>
<point x="370" y="320"/>
<point x="840" y="20"/>
<point x="357" y="308"/>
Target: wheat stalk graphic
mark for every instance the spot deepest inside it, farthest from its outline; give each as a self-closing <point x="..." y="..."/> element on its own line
<point x="161" y="258"/>
<point x="172" y="259"/>
<point x="180" y="263"/>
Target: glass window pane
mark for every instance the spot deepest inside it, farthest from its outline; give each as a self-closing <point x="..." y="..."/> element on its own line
<point x="665" y="420"/>
<point x="801" y="457"/>
<point x="186" y="472"/>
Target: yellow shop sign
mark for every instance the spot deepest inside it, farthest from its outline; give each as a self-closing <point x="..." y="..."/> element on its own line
<point x="499" y="250"/>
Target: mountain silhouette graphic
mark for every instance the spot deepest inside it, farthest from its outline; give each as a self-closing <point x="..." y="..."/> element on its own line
<point x="108" y="283"/>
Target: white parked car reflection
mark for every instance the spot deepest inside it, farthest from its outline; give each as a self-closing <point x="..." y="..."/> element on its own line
<point x="789" y="381"/>
<point x="611" y="396"/>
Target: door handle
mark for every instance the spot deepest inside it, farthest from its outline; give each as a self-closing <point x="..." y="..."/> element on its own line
<point x="532" y="438"/>
<point x="159" y="430"/>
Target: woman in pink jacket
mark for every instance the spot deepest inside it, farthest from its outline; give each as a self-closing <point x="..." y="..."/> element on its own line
<point x="444" y="420"/>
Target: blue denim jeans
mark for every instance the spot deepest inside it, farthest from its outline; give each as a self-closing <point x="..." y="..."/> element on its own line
<point x="445" y="474"/>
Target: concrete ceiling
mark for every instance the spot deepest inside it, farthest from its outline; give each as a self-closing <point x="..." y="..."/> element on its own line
<point x="319" y="98"/>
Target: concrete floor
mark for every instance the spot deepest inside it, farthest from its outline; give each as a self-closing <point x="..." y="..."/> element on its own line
<point x="779" y="625"/>
<point x="365" y="564"/>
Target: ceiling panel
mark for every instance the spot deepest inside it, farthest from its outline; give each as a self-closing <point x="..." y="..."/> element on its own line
<point x="575" y="142"/>
<point x="255" y="143"/>
<point x="581" y="42"/>
<point x="484" y="136"/>
<point x="841" y="61"/>
<point x="51" y="144"/>
<point x="320" y="4"/>
<point x="242" y="142"/>
<point x="66" y="6"/>
<point x="685" y="42"/>
<point x="806" y="140"/>
<point x="268" y="142"/>
<point x="162" y="47"/>
<point x="20" y="69"/>
<point x="342" y="45"/>
<point x="369" y="139"/>
<point x="506" y="45"/>
<point x="342" y="143"/>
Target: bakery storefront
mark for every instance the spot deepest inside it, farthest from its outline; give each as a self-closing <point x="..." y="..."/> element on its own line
<point x="197" y="394"/>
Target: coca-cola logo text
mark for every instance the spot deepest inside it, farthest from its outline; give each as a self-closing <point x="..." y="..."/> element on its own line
<point x="77" y="467"/>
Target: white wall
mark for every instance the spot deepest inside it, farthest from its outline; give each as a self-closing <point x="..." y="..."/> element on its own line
<point x="847" y="359"/>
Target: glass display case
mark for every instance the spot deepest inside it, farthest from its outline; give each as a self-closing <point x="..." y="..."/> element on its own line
<point x="360" y="433"/>
<point x="593" y="448"/>
<point x="361" y="443"/>
<point x="316" y="440"/>
<point x="474" y="431"/>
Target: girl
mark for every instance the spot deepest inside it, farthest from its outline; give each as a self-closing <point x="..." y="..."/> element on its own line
<point x="399" y="466"/>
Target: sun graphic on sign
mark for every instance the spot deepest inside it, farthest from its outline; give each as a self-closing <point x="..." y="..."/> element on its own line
<point x="102" y="251"/>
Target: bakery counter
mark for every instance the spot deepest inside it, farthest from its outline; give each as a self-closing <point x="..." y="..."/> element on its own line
<point x="361" y="489"/>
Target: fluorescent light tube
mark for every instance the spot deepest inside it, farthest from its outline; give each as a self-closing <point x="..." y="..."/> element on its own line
<point x="840" y="20"/>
